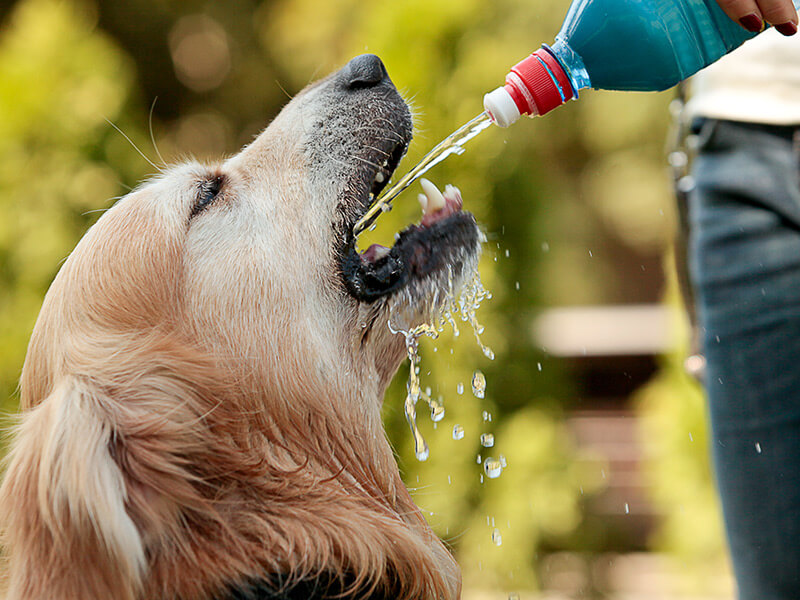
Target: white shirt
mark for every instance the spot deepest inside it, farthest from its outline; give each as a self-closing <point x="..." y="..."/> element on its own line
<point x="757" y="82"/>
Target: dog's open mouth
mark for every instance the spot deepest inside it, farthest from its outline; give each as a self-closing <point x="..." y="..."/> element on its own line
<point x="437" y="241"/>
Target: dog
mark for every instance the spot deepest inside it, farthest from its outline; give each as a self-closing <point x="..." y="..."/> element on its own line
<point x="201" y="393"/>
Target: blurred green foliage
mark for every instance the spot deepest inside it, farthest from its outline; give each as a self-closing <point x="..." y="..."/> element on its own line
<point x="61" y="84"/>
<point x="575" y="206"/>
<point x="675" y="437"/>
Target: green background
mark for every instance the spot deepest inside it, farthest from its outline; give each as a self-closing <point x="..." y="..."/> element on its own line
<point x="576" y="206"/>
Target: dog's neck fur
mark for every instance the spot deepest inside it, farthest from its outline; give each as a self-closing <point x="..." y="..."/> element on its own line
<point x="230" y="484"/>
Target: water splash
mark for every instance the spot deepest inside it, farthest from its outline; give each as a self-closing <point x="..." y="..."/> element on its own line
<point x="452" y="144"/>
<point x="438" y="313"/>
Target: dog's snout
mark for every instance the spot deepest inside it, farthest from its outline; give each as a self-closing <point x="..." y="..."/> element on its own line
<point x="364" y="71"/>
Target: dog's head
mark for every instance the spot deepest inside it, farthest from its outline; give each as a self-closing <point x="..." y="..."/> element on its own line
<point x="203" y="383"/>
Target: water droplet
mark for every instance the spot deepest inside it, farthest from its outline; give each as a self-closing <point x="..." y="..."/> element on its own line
<point x="492" y="467"/>
<point x="458" y="432"/>
<point x="508" y="254"/>
<point x="487" y="416"/>
<point x="460" y="388"/>
<point x="437" y="413"/>
<point x="428" y="390"/>
<point x="478" y="384"/>
<point x="497" y="539"/>
<point x="539" y="366"/>
<point x="545" y="247"/>
<point x="502" y="460"/>
<point x="691" y="439"/>
<point x="488" y="353"/>
<point x="627" y="509"/>
<point x="487" y="440"/>
<point x="516" y="285"/>
<point x="422" y="453"/>
<point x="513" y="596"/>
<point x="758" y="447"/>
<point x="478" y="460"/>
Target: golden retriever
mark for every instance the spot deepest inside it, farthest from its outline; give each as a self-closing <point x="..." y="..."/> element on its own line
<point x="202" y="389"/>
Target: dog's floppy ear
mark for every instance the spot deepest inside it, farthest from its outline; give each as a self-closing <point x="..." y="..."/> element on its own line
<point x="64" y="502"/>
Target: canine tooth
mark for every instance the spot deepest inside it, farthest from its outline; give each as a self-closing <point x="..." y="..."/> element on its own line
<point x="435" y="198"/>
<point x="423" y="202"/>
<point x="379" y="177"/>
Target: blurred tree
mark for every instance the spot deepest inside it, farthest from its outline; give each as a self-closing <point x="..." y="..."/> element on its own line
<point x="60" y="159"/>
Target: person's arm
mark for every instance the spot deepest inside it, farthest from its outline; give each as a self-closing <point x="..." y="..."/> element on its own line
<point x="753" y="14"/>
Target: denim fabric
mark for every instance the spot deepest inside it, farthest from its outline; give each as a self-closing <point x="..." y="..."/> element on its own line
<point x="745" y="266"/>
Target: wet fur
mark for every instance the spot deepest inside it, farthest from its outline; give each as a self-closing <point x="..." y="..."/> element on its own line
<point x="200" y="405"/>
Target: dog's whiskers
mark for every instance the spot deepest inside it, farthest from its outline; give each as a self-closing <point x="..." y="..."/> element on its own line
<point x="135" y="147"/>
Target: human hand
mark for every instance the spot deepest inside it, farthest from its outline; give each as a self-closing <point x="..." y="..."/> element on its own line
<point x="752" y="14"/>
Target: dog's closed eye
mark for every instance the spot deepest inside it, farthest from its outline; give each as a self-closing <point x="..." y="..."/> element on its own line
<point x="207" y="192"/>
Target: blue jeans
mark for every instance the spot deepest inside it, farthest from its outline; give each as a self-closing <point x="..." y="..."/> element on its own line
<point x="744" y="260"/>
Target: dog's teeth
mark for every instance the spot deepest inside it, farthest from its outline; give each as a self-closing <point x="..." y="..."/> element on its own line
<point x="451" y="192"/>
<point x="379" y="177"/>
<point x="423" y="202"/>
<point x="435" y="198"/>
<point x="380" y="252"/>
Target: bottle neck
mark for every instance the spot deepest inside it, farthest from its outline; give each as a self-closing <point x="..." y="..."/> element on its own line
<point x="536" y="85"/>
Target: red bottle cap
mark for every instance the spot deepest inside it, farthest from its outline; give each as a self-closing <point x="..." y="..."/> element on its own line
<point x="538" y="84"/>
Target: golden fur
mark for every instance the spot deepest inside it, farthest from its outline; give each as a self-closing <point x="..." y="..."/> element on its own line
<point x="200" y="405"/>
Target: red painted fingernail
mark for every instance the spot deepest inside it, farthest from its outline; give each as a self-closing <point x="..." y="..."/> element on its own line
<point x="788" y="28"/>
<point x="752" y="22"/>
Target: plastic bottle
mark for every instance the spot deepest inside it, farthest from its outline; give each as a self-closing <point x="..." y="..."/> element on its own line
<point x="644" y="45"/>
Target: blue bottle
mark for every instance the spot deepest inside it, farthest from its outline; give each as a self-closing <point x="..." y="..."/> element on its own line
<point x="644" y="45"/>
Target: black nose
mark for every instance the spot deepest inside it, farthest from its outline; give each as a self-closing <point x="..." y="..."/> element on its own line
<point x="364" y="71"/>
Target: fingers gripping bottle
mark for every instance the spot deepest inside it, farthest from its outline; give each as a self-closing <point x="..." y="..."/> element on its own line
<point x="641" y="45"/>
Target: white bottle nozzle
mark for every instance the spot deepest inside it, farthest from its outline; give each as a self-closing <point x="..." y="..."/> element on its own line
<point x="501" y="107"/>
